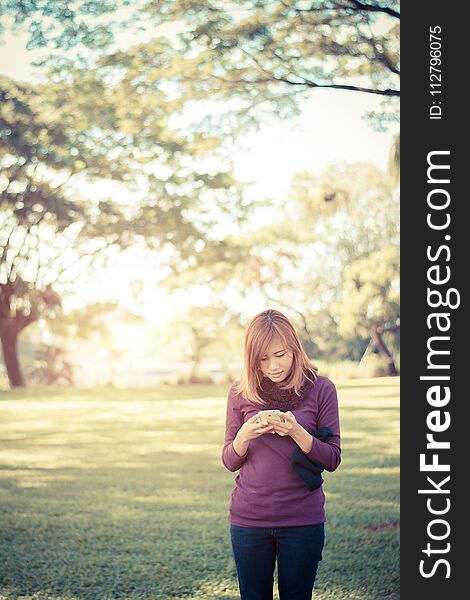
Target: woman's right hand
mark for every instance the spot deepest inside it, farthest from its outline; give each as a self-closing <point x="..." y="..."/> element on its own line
<point x="253" y="428"/>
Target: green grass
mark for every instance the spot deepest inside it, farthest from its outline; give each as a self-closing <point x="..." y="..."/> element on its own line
<point x="109" y="494"/>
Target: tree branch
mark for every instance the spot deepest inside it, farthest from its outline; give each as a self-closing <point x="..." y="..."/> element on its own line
<point x="3" y="255"/>
<point x="372" y="8"/>
<point x="14" y="263"/>
<point x="60" y="271"/>
<point x="312" y="84"/>
<point x="380" y="56"/>
<point x="21" y="320"/>
<point x="339" y="86"/>
<point x="361" y="6"/>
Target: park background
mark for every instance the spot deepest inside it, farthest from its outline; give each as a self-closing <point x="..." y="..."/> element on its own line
<point x="167" y="171"/>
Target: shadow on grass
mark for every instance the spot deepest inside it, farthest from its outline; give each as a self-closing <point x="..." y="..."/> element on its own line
<point x="107" y="504"/>
<point x="161" y="531"/>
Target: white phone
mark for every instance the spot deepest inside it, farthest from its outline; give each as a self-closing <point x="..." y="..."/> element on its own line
<point x="273" y="414"/>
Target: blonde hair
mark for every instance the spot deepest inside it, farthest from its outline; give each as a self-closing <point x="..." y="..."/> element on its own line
<point x="262" y="329"/>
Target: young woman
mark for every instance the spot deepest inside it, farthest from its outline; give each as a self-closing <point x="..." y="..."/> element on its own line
<point x="277" y="505"/>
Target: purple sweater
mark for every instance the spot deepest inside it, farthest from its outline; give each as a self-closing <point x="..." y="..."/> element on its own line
<point x="267" y="492"/>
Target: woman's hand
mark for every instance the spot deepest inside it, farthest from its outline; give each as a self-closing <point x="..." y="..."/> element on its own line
<point x="287" y="426"/>
<point x="253" y="428"/>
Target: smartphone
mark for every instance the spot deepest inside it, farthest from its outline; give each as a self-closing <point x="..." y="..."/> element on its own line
<point x="270" y="414"/>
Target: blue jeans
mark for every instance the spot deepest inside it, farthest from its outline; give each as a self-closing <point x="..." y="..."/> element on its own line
<point x="297" y="549"/>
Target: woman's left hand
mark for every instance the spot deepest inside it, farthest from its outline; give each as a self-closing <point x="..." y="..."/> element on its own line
<point x="287" y="426"/>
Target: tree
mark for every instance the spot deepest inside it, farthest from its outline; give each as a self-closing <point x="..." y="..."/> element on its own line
<point x="369" y="304"/>
<point x="51" y="24"/>
<point x="205" y="332"/>
<point x="51" y="365"/>
<point x="58" y="137"/>
<point x="347" y="214"/>
<point x="256" y="56"/>
<point x="337" y="218"/>
<point x="267" y="54"/>
<point x="300" y="44"/>
<point x="40" y="221"/>
<point x="132" y="116"/>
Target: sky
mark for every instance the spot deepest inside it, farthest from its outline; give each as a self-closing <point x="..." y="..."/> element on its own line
<point x="330" y="128"/>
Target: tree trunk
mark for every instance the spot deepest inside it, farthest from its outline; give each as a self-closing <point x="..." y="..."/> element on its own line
<point x="384" y="351"/>
<point x="367" y="352"/>
<point x="9" y="339"/>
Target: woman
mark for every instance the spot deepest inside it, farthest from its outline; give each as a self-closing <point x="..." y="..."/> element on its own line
<point x="276" y="512"/>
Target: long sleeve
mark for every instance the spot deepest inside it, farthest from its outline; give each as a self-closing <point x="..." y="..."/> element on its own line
<point x="233" y="421"/>
<point x="327" y="453"/>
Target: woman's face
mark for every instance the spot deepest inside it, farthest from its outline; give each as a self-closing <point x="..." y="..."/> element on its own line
<point x="277" y="361"/>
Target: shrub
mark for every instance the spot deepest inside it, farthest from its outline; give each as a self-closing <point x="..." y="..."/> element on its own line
<point x="338" y="370"/>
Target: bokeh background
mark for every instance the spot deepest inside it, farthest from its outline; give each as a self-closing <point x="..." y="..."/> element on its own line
<point x="167" y="170"/>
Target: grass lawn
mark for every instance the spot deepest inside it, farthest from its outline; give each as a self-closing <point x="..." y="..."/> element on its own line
<point x="108" y="494"/>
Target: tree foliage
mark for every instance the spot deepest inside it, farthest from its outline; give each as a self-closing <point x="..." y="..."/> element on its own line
<point x="347" y="215"/>
<point x="306" y="44"/>
<point x="51" y="366"/>
<point x="257" y="56"/>
<point x="369" y="305"/>
<point x="269" y="53"/>
<point x="202" y="332"/>
<point x="41" y="220"/>
<point x="58" y="139"/>
<point x="153" y="117"/>
<point x="65" y="25"/>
